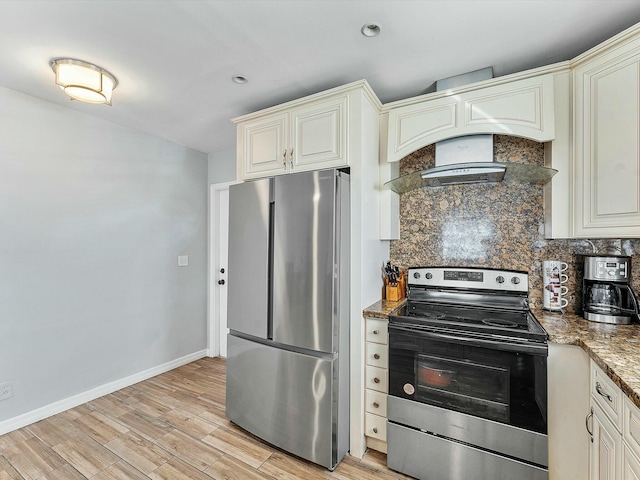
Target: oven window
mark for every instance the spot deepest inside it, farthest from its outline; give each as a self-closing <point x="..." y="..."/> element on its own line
<point x="503" y="386"/>
<point x="468" y="387"/>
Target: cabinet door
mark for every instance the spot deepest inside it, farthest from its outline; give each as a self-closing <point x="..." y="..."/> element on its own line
<point x="630" y="466"/>
<point x="606" y="448"/>
<point x="607" y="151"/>
<point x="263" y="146"/>
<point x="319" y="135"/>
<point x="522" y="108"/>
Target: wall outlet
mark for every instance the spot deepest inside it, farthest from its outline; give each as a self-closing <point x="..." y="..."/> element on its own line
<point x="6" y="390"/>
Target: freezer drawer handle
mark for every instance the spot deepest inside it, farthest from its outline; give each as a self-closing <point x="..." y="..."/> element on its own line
<point x="601" y="393"/>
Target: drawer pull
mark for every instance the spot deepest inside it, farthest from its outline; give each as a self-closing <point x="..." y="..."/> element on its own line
<point x="375" y="429"/>
<point x="376" y="332"/>
<point x="376" y="356"/>
<point x="601" y="393"/>
<point x="376" y="380"/>
<point x="376" y="405"/>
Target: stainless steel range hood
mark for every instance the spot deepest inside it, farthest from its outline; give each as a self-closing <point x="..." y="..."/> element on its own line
<point x="469" y="159"/>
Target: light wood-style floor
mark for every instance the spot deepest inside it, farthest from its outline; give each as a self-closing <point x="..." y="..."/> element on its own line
<point x="170" y="427"/>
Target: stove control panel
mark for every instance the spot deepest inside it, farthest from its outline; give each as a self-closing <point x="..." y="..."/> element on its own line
<point x="472" y="278"/>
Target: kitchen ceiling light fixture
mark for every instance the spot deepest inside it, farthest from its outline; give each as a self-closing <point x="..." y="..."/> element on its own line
<point x="370" y="29"/>
<point x="84" y="81"/>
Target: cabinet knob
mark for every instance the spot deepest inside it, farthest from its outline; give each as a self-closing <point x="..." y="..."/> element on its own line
<point x="376" y="356"/>
<point x="376" y="332"/>
<point x="376" y="380"/>
<point x="376" y="405"/>
<point x="375" y="429"/>
<point x="221" y="282"/>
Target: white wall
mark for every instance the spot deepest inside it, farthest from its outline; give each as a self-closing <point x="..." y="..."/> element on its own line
<point x="92" y="219"/>
<point x="222" y="166"/>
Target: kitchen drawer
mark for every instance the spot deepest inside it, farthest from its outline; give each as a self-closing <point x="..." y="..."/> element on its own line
<point x="607" y="395"/>
<point x="377" y="355"/>
<point x="377" y="378"/>
<point x="375" y="402"/>
<point x="377" y="331"/>
<point x="631" y="425"/>
<point x="375" y="426"/>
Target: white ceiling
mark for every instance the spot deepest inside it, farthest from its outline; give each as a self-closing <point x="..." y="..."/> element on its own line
<point x="174" y="59"/>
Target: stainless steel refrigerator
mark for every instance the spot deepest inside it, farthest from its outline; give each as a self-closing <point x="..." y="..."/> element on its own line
<point x="288" y="313"/>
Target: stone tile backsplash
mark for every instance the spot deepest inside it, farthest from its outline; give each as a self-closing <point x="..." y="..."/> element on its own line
<point x="493" y="226"/>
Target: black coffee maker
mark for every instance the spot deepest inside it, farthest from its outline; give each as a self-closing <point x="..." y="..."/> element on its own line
<point x="607" y="294"/>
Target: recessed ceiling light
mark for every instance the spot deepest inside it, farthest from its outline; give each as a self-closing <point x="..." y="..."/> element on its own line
<point x="239" y="79"/>
<point x="370" y="29"/>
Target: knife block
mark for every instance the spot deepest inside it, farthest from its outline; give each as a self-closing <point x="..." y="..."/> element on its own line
<point x="396" y="291"/>
<point x="393" y="293"/>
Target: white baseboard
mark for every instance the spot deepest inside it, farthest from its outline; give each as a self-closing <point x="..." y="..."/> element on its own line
<point x="38" y="414"/>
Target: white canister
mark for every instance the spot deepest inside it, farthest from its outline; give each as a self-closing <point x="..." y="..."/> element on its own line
<point x="554" y="291"/>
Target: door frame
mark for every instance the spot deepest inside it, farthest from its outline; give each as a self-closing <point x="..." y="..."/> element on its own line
<point x="213" y="315"/>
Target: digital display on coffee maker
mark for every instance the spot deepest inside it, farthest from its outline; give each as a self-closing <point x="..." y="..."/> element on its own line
<point x="612" y="265"/>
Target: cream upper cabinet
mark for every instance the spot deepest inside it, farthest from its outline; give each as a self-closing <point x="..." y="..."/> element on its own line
<point x="319" y="135"/>
<point x="509" y="106"/>
<point x="607" y="140"/>
<point x="264" y="146"/>
<point x="309" y="134"/>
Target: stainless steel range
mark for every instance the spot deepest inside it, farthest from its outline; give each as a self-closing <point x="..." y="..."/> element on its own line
<point x="467" y="378"/>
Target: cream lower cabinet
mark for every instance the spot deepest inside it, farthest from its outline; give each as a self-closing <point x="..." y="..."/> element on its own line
<point x="307" y="134"/>
<point x="607" y="139"/>
<point x="376" y="383"/>
<point x="606" y="449"/>
<point x="615" y="450"/>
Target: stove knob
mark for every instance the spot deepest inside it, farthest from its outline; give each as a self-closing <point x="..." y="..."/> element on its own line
<point x="429" y="276"/>
<point x="500" y="279"/>
<point x="515" y="280"/>
<point x="416" y="275"/>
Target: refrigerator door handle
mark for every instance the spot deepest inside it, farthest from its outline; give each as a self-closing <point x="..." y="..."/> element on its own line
<point x="270" y="266"/>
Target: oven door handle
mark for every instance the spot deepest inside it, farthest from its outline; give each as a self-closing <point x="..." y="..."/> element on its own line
<point x="529" y="348"/>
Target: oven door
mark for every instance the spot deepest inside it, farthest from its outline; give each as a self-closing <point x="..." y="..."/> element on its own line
<point x="493" y="380"/>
